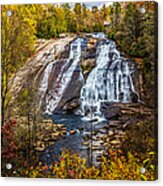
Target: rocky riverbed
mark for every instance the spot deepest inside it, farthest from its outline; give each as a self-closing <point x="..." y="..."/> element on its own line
<point x="91" y="139"/>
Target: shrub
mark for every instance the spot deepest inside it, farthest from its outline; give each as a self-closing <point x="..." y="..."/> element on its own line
<point x="71" y="166"/>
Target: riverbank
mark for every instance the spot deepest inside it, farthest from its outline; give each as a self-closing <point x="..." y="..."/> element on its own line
<point x="57" y="144"/>
<point x="93" y="139"/>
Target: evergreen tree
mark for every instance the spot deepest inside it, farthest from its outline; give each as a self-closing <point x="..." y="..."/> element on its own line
<point x="78" y="16"/>
<point x="69" y="18"/>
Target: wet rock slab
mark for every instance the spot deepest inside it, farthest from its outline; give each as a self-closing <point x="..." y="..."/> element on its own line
<point x="48" y="134"/>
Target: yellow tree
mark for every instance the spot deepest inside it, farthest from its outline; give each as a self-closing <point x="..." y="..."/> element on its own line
<point x="18" y="37"/>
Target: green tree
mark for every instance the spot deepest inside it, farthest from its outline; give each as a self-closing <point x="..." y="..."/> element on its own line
<point x="53" y="24"/>
<point x="69" y="18"/>
<point x="136" y="34"/>
<point x="98" y="22"/>
<point x="18" y="38"/>
<point x="116" y="15"/>
<point x="78" y="16"/>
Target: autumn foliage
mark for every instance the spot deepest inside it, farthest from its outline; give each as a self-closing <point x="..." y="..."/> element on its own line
<point x="72" y="166"/>
<point x="9" y="146"/>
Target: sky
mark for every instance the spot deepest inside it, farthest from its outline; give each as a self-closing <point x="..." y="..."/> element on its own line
<point x="99" y="4"/>
<point x="91" y="4"/>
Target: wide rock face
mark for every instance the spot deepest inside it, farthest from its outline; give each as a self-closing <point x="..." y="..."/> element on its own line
<point x="35" y="66"/>
<point x="62" y="97"/>
<point x="62" y="80"/>
<point x="79" y="74"/>
<point x="91" y="72"/>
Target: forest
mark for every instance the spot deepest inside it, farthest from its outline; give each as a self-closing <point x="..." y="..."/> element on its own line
<point x="135" y="35"/>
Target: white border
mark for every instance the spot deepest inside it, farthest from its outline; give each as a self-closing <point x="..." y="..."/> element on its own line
<point x="42" y="182"/>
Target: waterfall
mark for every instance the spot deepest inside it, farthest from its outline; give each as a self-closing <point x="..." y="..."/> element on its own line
<point x="111" y="80"/>
<point x="64" y="77"/>
<point x="44" y="83"/>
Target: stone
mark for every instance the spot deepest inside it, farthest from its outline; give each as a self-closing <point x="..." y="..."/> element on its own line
<point x="62" y="35"/>
<point x="95" y="138"/>
<point x="40" y="137"/>
<point x="63" y="136"/>
<point x="59" y="126"/>
<point x="96" y="148"/>
<point x="81" y="128"/>
<point x="115" y="142"/>
<point x="64" y="132"/>
<point x="84" y="148"/>
<point x="86" y="137"/>
<point x="47" y="121"/>
<point x="107" y="127"/>
<point x="104" y="137"/>
<point x="69" y="107"/>
<point x="110" y="111"/>
<point x="96" y="143"/>
<point x="50" y="125"/>
<point x="85" y="143"/>
<point x="102" y="131"/>
<point x="110" y="133"/>
<point x="72" y="132"/>
<point x="40" y="146"/>
<point x="94" y="133"/>
<point x="121" y="133"/>
<point x="89" y="62"/>
<point x="105" y="144"/>
<point x="92" y="41"/>
<point x="55" y="135"/>
<point x="46" y="139"/>
<point x="105" y="154"/>
<point x="101" y="142"/>
<point x="112" y="138"/>
<point x="50" y="143"/>
<point x="115" y="124"/>
<point x="134" y="97"/>
<point x="40" y="149"/>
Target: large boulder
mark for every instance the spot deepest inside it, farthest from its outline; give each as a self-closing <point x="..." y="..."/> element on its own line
<point x="110" y="111"/>
<point x="70" y="99"/>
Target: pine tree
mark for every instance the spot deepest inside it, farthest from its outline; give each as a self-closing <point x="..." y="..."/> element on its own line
<point x="78" y="16"/>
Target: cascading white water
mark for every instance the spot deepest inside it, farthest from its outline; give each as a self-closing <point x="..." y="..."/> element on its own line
<point x="64" y="78"/>
<point x="111" y="80"/>
<point x="44" y="83"/>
